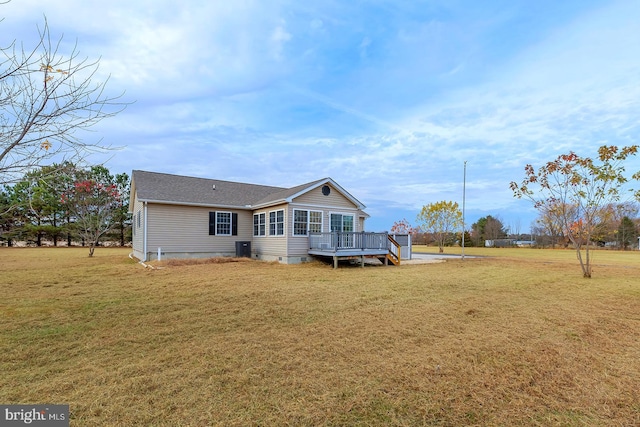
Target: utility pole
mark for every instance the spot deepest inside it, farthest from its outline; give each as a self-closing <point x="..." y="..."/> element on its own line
<point x="464" y="191"/>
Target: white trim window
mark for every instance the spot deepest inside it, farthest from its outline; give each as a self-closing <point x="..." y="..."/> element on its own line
<point x="315" y="221"/>
<point x="305" y="221"/>
<point x="259" y="224"/>
<point x="276" y="223"/>
<point x="342" y="222"/>
<point x="344" y="225"/>
<point x="223" y="223"/>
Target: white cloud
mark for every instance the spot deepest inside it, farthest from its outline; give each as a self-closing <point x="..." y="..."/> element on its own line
<point x="388" y="98"/>
<point x="279" y="37"/>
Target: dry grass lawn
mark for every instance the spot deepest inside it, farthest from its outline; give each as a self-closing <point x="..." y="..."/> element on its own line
<point x="508" y="340"/>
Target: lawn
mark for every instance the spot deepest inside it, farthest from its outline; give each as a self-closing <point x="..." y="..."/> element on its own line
<point x="515" y="338"/>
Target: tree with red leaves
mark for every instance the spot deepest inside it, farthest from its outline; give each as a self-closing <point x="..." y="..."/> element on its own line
<point x="403" y="227"/>
<point x="93" y="203"/>
<point x="578" y="190"/>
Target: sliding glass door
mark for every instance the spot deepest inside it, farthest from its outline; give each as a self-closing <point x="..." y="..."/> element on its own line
<point x="343" y="223"/>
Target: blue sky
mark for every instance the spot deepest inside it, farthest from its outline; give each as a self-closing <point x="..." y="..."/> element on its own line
<point x="389" y="98"/>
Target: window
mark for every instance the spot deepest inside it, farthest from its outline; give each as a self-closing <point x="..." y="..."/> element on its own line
<point x="315" y="222"/>
<point x="223" y="224"/>
<point x="305" y="222"/>
<point x="276" y="223"/>
<point x="343" y="224"/>
<point x="259" y="224"/>
<point x="300" y="219"/>
<point x="340" y="222"/>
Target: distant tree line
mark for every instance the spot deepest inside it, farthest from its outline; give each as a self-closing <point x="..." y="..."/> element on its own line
<point x="619" y="228"/>
<point x="440" y="223"/>
<point x="63" y="204"/>
<point x="616" y="226"/>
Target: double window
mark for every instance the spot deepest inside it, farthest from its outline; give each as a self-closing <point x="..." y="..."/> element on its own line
<point x="305" y="222"/>
<point x="223" y="223"/>
<point x="276" y="223"/>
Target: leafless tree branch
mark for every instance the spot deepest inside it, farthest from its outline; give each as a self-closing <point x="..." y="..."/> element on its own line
<point x="47" y="97"/>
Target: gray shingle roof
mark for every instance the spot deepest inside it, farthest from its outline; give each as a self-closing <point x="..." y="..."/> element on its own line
<point x="186" y="190"/>
<point x="285" y="193"/>
<point x="161" y="187"/>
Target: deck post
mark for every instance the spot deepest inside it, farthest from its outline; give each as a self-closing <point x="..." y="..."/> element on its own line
<point x="362" y="260"/>
<point x="335" y="261"/>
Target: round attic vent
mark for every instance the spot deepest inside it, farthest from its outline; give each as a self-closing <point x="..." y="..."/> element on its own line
<point x="326" y="190"/>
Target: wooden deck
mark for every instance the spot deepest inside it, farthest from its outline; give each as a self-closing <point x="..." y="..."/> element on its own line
<point x="354" y="245"/>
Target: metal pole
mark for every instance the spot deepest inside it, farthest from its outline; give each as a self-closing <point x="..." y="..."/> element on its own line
<point x="464" y="190"/>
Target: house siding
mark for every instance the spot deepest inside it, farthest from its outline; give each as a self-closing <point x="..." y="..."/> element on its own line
<point x="314" y="200"/>
<point x="137" y="228"/>
<point x="315" y="197"/>
<point x="183" y="232"/>
<point x="178" y="230"/>
<point x="298" y="246"/>
<point x="271" y="248"/>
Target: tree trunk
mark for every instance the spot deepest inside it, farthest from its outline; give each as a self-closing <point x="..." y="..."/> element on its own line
<point x="585" y="264"/>
<point x="55" y="233"/>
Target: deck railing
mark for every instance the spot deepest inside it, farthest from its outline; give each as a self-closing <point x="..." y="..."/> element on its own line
<point x="335" y="241"/>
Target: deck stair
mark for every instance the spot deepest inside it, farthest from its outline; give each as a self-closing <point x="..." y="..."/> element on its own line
<point x="394" y="253"/>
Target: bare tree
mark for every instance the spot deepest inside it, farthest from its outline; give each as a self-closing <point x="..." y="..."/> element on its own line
<point x="46" y="97"/>
<point x="494" y="228"/>
<point x="551" y="220"/>
<point x="515" y="228"/>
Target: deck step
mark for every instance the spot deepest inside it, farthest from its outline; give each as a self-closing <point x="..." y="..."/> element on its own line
<point x="394" y="260"/>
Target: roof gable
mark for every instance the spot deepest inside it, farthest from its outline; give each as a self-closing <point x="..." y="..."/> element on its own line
<point x="287" y="195"/>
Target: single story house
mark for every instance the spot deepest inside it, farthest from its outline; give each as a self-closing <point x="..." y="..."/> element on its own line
<point x="185" y="217"/>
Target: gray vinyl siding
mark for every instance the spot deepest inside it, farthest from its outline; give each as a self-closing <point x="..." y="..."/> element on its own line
<point x="314" y="200"/>
<point x="183" y="231"/>
<point x="271" y="247"/>
<point x="335" y="199"/>
<point x="138" y="228"/>
<point x="299" y="245"/>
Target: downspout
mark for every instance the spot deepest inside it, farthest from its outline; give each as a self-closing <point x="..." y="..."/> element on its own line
<point x="144" y="235"/>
